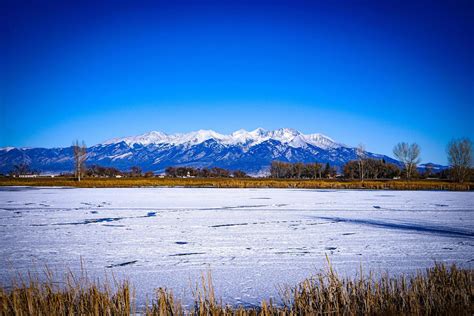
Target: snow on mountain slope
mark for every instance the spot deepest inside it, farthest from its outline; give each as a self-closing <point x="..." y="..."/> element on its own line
<point x="144" y="139"/>
<point x="288" y="136"/>
<point x="250" y="151"/>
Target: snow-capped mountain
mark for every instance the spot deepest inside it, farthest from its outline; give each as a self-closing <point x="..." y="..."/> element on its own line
<point x="251" y="151"/>
<point x="288" y="136"/>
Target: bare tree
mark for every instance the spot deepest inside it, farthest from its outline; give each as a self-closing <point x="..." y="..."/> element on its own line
<point x="80" y="156"/>
<point x="361" y="155"/>
<point x="135" y="171"/>
<point x="460" y="158"/>
<point x="239" y="174"/>
<point x="298" y="170"/>
<point x="409" y="155"/>
<point x="21" y="169"/>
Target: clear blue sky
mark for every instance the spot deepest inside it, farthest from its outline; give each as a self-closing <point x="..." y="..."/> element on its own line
<point x="372" y="72"/>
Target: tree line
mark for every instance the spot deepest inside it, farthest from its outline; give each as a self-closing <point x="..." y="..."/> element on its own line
<point x="298" y="170"/>
<point x="23" y="169"/>
<point x="372" y="169"/>
<point x="214" y="172"/>
<point x="369" y="168"/>
<point x="459" y="157"/>
<point x="100" y="171"/>
<point x="459" y="154"/>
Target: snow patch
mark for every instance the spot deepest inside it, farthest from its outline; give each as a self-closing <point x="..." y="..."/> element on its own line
<point x="122" y="156"/>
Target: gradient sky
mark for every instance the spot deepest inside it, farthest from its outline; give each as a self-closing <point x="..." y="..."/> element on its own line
<point x="371" y="72"/>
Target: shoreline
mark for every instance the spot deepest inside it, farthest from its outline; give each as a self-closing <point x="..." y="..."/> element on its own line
<point x="423" y="185"/>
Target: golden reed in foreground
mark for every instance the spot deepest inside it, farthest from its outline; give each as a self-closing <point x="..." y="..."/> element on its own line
<point x="437" y="291"/>
<point x="241" y="183"/>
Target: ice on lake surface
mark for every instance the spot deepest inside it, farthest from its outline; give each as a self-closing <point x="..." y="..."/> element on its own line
<point x="253" y="240"/>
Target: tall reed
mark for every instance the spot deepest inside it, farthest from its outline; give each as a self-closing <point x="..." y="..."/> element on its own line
<point x="439" y="290"/>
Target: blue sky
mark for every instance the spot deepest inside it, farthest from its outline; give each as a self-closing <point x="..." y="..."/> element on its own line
<point x="372" y="72"/>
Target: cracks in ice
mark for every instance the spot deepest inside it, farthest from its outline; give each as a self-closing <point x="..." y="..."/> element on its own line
<point x="291" y="224"/>
<point x="186" y="254"/>
<point x="437" y="230"/>
<point x="100" y="220"/>
<point x="122" y="264"/>
<point x="228" y="225"/>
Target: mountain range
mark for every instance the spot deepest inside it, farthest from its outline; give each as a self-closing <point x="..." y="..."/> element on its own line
<point x="250" y="151"/>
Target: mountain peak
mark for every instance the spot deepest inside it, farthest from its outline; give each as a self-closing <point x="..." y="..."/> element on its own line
<point x="284" y="135"/>
<point x="286" y="130"/>
<point x="153" y="137"/>
<point x="258" y="131"/>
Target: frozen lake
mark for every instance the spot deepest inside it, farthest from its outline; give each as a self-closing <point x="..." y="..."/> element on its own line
<point x="251" y="239"/>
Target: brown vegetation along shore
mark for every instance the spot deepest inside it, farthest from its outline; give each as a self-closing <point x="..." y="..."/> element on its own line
<point x="437" y="291"/>
<point x="240" y="183"/>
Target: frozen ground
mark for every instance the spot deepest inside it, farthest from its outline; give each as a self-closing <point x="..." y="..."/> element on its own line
<point x="251" y="239"/>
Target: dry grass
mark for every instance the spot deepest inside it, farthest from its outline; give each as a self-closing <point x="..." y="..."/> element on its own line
<point x="438" y="291"/>
<point x="240" y="183"/>
<point x="74" y="296"/>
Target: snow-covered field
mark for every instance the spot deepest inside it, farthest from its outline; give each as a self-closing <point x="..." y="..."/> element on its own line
<point x="253" y="240"/>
